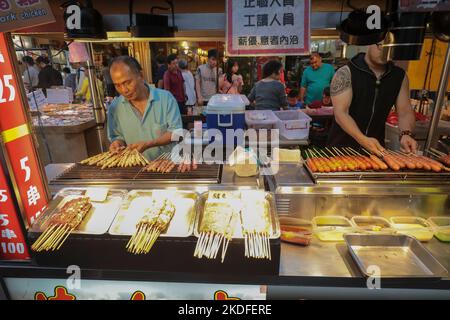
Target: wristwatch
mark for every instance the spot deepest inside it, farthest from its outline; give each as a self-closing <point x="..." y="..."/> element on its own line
<point x="406" y="133"/>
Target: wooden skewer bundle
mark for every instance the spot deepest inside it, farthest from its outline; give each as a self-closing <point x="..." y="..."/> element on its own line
<point x="257" y="245"/>
<point x="62" y="224"/>
<point x="216" y="229"/>
<point x="209" y="243"/>
<point x="255" y="221"/>
<point x="151" y="226"/>
<point x="123" y="159"/>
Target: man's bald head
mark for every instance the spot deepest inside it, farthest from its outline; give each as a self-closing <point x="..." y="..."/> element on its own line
<point x="127" y="76"/>
<point x="130" y="62"/>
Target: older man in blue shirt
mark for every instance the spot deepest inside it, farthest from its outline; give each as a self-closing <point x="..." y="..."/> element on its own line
<point x="142" y="118"/>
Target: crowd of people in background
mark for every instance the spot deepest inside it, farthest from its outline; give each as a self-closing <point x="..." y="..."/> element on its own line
<point x="172" y="74"/>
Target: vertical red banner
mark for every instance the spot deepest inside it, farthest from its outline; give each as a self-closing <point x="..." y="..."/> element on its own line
<point x="12" y="240"/>
<point x="17" y="139"/>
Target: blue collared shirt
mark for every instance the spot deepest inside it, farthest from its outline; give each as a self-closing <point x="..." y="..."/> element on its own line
<point x="161" y="115"/>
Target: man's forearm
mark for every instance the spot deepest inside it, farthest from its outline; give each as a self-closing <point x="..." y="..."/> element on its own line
<point x="163" y="140"/>
<point x="197" y="89"/>
<point x="302" y="94"/>
<point x="407" y="121"/>
<point x="348" y="124"/>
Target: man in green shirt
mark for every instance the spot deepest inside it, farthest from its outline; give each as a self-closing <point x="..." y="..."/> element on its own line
<point x="142" y="117"/>
<point x="315" y="78"/>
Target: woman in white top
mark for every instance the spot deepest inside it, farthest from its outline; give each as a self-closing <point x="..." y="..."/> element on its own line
<point x="189" y="83"/>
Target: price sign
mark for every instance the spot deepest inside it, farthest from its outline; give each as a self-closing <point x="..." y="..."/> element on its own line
<point x="12" y="240"/>
<point x="18" y="141"/>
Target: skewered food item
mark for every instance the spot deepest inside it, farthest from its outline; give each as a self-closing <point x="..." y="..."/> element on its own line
<point x="217" y="225"/>
<point x="164" y="164"/>
<point x="347" y="159"/>
<point x="445" y="159"/>
<point x="123" y="159"/>
<point x="255" y="219"/>
<point x="374" y="162"/>
<point x="151" y="225"/>
<point x="61" y="224"/>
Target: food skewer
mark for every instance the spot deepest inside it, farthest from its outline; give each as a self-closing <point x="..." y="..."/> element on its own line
<point x="150" y="226"/>
<point x="383" y="165"/>
<point x="374" y="164"/>
<point x="61" y="224"/>
<point x="361" y="164"/>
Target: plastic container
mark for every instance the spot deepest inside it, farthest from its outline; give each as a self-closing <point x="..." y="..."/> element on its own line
<point x="225" y="112"/>
<point x="416" y="227"/>
<point x="261" y="119"/>
<point x="244" y="162"/>
<point x="441" y="226"/>
<point x="293" y="124"/>
<point x="332" y="228"/>
<point x="372" y="225"/>
<point x="296" y="231"/>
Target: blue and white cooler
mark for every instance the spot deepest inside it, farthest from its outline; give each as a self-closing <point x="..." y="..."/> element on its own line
<point x="226" y="112"/>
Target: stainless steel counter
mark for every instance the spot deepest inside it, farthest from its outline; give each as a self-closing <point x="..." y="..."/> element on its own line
<point x="332" y="259"/>
<point x="299" y="197"/>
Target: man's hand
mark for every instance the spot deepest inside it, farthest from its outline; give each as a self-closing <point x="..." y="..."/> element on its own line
<point x="140" y="146"/>
<point x="408" y="144"/>
<point x="117" y="146"/>
<point x="372" y="145"/>
<point x="200" y="101"/>
<point x="186" y="166"/>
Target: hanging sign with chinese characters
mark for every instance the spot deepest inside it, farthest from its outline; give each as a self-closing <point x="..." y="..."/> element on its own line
<point x="12" y="240"/>
<point x="268" y="27"/>
<point x="18" y="142"/>
<point x="19" y="14"/>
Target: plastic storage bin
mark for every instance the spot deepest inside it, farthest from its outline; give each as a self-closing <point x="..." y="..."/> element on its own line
<point x="225" y="112"/>
<point x="261" y="119"/>
<point x="372" y="225"/>
<point x="416" y="227"/>
<point x="441" y="226"/>
<point x="293" y="124"/>
<point x="331" y="228"/>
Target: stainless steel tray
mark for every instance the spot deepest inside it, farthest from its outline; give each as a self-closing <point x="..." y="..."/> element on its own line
<point x="99" y="218"/>
<point x="133" y="209"/>
<point x="275" y="224"/>
<point x="397" y="256"/>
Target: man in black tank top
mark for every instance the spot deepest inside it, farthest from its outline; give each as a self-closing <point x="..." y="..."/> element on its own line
<point x="363" y="93"/>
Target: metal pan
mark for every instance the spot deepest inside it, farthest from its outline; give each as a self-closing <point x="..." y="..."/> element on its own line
<point x="396" y="256"/>
<point x="99" y="218"/>
<point x="275" y="231"/>
<point x="133" y="209"/>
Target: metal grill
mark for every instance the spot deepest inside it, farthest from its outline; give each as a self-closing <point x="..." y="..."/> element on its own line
<point x="381" y="176"/>
<point x="77" y="173"/>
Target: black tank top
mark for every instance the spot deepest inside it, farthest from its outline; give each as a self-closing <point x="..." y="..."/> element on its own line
<point x="372" y="100"/>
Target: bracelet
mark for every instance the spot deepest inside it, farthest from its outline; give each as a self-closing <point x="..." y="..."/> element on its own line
<point x="406" y="133"/>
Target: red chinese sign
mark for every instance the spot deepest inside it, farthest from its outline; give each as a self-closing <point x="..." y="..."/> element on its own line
<point x="12" y="240"/>
<point x="18" y="141"/>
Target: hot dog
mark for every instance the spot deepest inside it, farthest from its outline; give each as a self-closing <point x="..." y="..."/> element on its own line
<point x="391" y="162"/>
<point x="379" y="162"/>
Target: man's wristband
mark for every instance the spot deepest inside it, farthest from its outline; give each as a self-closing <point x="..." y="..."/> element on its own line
<point x="405" y="133"/>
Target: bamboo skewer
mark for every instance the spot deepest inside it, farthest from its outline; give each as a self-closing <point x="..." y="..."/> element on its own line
<point x="61" y="225"/>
